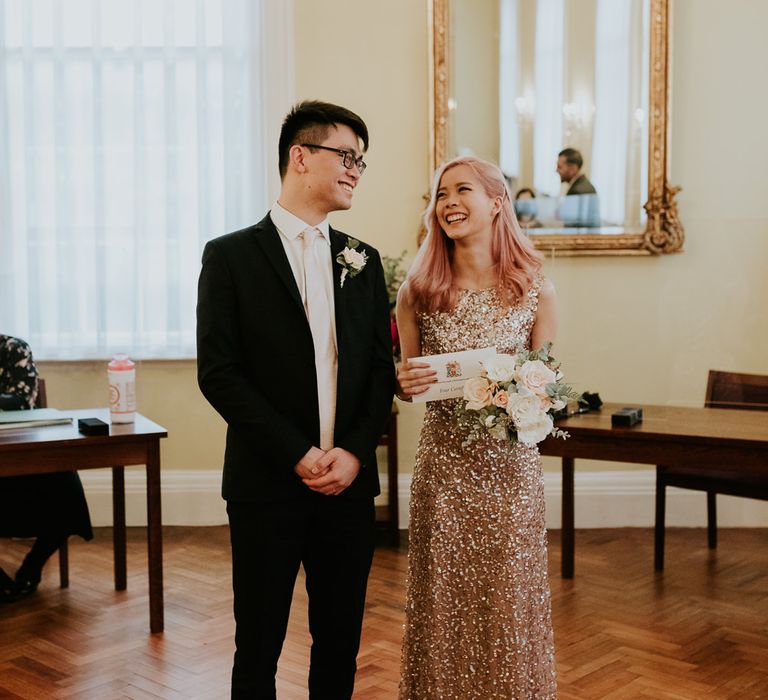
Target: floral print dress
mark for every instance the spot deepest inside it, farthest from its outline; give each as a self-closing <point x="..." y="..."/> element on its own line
<point x="38" y="504"/>
<point x="18" y="375"/>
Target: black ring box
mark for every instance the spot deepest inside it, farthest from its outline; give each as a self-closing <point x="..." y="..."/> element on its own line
<point x="626" y="417"/>
<point x="92" y="426"/>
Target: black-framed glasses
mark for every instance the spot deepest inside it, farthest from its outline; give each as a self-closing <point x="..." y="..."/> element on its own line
<point x="347" y="157"/>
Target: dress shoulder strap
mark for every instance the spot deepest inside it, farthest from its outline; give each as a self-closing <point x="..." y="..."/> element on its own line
<point x="532" y="298"/>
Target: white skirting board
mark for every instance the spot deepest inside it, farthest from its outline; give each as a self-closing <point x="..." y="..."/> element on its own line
<point x="603" y="499"/>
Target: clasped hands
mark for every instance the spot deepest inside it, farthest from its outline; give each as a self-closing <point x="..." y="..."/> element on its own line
<point x="329" y="472"/>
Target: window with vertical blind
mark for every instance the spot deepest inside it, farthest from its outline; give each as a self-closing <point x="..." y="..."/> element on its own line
<point x="597" y="106"/>
<point x="131" y="132"/>
<point x="550" y="86"/>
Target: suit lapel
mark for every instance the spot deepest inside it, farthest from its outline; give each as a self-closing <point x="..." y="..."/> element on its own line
<point x="269" y="240"/>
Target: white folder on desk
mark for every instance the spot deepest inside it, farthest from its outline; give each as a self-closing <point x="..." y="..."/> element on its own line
<point x="32" y="418"/>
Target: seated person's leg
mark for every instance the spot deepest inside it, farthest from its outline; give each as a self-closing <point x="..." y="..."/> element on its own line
<point x="31" y="570"/>
<point x="48" y="507"/>
<point x="7" y="588"/>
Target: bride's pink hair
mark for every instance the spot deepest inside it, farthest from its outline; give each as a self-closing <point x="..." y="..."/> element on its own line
<point x="431" y="285"/>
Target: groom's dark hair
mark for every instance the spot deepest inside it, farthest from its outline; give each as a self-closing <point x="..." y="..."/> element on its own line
<point x="572" y="156"/>
<point x="310" y="121"/>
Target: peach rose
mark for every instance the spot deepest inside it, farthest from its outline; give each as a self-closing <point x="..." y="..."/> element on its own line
<point x="500" y="399"/>
<point x="477" y="393"/>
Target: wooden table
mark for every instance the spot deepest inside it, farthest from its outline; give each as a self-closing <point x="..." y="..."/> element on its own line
<point x="60" y="448"/>
<point x="705" y="438"/>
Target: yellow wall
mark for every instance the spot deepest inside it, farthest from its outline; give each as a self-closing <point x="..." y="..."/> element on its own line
<point x="166" y="392"/>
<point x="636" y="330"/>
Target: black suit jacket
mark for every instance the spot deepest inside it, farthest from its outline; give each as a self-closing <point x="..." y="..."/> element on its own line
<point x="582" y="185"/>
<point x="256" y="362"/>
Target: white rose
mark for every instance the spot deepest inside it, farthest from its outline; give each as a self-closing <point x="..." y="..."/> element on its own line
<point x="477" y="393"/>
<point x="354" y="258"/>
<point x="500" y="368"/>
<point x="533" y="433"/>
<point x="523" y="409"/>
<point x="534" y="375"/>
<point x="532" y="424"/>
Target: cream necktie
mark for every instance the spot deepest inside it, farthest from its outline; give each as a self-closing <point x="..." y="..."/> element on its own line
<point x="318" y="308"/>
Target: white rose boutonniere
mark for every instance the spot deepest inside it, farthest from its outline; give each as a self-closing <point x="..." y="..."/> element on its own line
<point x="351" y="260"/>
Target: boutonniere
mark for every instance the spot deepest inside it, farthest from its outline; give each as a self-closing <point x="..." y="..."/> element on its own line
<point x="352" y="261"/>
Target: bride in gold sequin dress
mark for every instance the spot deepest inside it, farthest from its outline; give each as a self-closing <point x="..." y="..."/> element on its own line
<point x="478" y="618"/>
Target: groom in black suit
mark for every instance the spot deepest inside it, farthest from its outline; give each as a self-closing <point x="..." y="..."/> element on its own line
<point x="294" y="351"/>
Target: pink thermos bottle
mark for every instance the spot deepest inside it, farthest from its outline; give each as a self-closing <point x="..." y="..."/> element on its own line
<point x="122" y="389"/>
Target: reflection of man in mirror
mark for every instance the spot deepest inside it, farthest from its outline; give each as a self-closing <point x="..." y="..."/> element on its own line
<point x="569" y="164"/>
<point x="580" y="206"/>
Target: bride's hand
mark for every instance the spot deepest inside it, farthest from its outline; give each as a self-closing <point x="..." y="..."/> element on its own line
<point x="414" y="378"/>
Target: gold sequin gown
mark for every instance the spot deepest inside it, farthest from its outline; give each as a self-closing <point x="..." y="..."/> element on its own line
<point x="478" y="614"/>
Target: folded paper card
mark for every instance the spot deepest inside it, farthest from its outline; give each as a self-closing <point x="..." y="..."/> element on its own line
<point x="453" y="370"/>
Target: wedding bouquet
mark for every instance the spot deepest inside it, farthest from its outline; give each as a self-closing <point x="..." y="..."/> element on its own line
<point x="515" y="398"/>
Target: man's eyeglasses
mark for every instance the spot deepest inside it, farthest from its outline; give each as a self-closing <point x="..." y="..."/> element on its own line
<point x="347" y="157"/>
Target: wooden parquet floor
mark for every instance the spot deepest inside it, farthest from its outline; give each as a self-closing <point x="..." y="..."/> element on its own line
<point x="699" y="630"/>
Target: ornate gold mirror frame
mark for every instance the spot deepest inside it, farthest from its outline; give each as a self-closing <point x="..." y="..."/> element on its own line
<point x="663" y="232"/>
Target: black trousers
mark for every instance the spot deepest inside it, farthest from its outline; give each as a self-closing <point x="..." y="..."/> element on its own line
<point x="333" y="538"/>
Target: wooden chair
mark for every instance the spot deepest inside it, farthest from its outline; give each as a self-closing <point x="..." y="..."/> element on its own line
<point x="42" y="402"/>
<point x="724" y="390"/>
<point x="42" y="397"/>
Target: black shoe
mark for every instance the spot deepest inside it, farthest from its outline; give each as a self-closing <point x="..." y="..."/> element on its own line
<point x="7" y="588"/>
<point x="27" y="581"/>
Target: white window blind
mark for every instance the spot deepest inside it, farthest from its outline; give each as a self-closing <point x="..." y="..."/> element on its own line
<point x="131" y="132"/>
<point x="549" y="79"/>
<point x="509" y="67"/>
<point x="619" y="162"/>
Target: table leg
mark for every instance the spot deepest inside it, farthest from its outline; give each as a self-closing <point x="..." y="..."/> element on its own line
<point x="118" y="526"/>
<point x="567" y="542"/>
<point x="154" y="538"/>
<point x="658" y="533"/>
<point x="394" y="516"/>
<point x="64" y="564"/>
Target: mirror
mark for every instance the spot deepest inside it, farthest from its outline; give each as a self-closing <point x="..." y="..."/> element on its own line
<point x="518" y="81"/>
